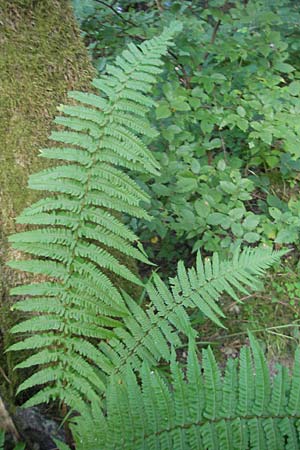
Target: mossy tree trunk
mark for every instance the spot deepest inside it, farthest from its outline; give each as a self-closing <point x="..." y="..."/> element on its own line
<point x="42" y="57"/>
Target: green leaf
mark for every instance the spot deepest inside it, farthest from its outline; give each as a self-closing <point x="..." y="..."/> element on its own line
<point x="202" y="208"/>
<point x="228" y="187"/>
<point x="251" y="237"/>
<point x="237" y="213"/>
<point x="241" y="111"/>
<point x="186" y="184"/>
<point x="188" y="218"/>
<point x="294" y="87"/>
<point x="216" y="218"/>
<point x="195" y="166"/>
<point x="272" y="161"/>
<point x="61" y="445"/>
<point x="19" y="446"/>
<point x="161" y="189"/>
<point x="217" y="76"/>
<point x="206" y="126"/>
<point x="242" y="124"/>
<point x="163" y="111"/>
<point x="284" y="67"/>
<point x="237" y="229"/>
<point x="266" y="136"/>
<point x="275" y="213"/>
<point x="214" y="143"/>
<point x="287" y="236"/>
<point x="180" y="104"/>
<point x="251" y="222"/>
<point x="221" y="165"/>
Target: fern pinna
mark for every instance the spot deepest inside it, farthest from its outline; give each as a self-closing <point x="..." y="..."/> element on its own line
<point x="202" y="409"/>
<point x="79" y="302"/>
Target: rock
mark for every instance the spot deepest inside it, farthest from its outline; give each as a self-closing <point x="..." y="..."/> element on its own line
<point x="37" y="430"/>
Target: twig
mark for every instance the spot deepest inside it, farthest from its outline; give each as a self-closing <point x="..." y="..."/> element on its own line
<point x="223" y="144"/>
<point x="7" y="422"/>
<point x="4" y="375"/>
<point x="159" y="6"/>
<point x="186" y="77"/>
<point x="115" y="11"/>
<point x="213" y="37"/>
<point x="259" y="330"/>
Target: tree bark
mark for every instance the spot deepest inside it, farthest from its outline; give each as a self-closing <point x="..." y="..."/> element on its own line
<point x="42" y="57"/>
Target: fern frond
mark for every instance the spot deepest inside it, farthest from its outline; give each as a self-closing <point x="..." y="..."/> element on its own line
<point x="148" y="334"/>
<point x="76" y="235"/>
<point x="201" y="410"/>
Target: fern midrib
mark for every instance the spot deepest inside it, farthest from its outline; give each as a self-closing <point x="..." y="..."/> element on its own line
<point x="189" y="425"/>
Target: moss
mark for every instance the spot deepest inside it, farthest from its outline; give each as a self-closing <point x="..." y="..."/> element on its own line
<point x="42" y="57"/>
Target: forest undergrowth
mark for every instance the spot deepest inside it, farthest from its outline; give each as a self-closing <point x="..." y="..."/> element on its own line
<point x="228" y="144"/>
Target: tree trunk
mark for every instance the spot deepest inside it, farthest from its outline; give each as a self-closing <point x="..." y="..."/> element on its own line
<point x="42" y="57"/>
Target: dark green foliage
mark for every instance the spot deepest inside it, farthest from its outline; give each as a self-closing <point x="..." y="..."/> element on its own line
<point x="77" y="228"/>
<point x="227" y="112"/>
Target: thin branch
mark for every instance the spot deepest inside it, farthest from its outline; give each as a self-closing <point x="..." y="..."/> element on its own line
<point x="114" y="11"/>
<point x="186" y="79"/>
<point x="7" y="423"/>
<point x="4" y="375"/>
<point x="223" y="144"/>
<point x="159" y="6"/>
<point x="213" y="37"/>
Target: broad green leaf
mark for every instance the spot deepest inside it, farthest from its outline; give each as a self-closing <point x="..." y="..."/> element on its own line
<point x="241" y="111"/>
<point x="186" y="184"/>
<point x="237" y="229"/>
<point x="251" y="222"/>
<point x="294" y="87"/>
<point x="251" y="237"/>
<point x="287" y="236"/>
<point x="180" y="104"/>
<point x="163" y="111"/>
<point x="228" y="187"/>
<point x="202" y="208"/>
<point x="284" y="67"/>
<point x="216" y="218"/>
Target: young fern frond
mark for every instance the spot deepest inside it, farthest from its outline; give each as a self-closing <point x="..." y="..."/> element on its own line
<point x="202" y="409"/>
<point x="147" y="334"/>
<point x="76" y="227"/>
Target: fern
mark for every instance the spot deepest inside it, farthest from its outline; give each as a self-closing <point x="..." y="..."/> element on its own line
<point x="204" y="409"/>
<point x="75" y="232"/>
<point x="147" y="335"/>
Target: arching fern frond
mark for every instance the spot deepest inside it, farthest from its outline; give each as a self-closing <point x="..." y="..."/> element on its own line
<point x="147" y="335"/>
<point x="202" y="409"/>
<point x="75" y="233"/>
